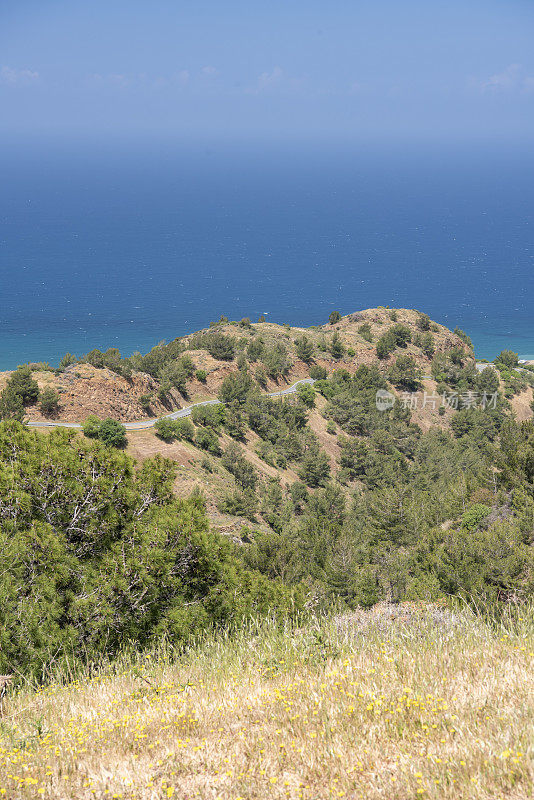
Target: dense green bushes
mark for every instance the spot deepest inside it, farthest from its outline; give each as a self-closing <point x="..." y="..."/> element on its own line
<point x="428" y="514"/>
<point x="24" y="385"/>
<point x="217" y="344"/>
<point x="276" y="361"/>
<point x="170" y="429"/>
<point x="397" y="336"/>
<point x="21" y="390"/>
<point x="11" y="405"/>
<point x="96" y="554"/>
<point x="305" y="348"/>
<point x="404" y="374"/>
<point x="109" y="431"/>
<point x="236" y="386"/>
<point x="49" y="402"/>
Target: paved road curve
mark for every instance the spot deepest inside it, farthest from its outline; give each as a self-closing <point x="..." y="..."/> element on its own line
<point x="182" y="412"/>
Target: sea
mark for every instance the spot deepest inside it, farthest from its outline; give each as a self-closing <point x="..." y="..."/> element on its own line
<point x="124" y="245"/>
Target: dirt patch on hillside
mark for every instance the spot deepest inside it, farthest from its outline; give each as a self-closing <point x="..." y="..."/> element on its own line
<point x="327" y="441"/>
<point x="425" y="407"/>
<point x="522" y="405"/>
<point x="84" y="390"/>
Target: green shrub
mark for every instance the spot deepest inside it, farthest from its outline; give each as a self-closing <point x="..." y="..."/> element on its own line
<point x="209" y="416"/>
<point x="507" y="358"/>
<point x="220" y="346"/>
<point x="235" y="422"/>
<point x="404" y="374"/>
<point x="462" y="334"/>
<point x="49" y="402"/>
<point x="112" y="433"/>
<point x="365" y="332"/>
<point x="144" y="401"/>
<point x="184" y="429"/>
<point x="66" y="361"/>
<point x="396" y="336"/>
<point x="108" y="431"/>
<point x="242" y="470"/>
<point x="318" y="373"/>
<point x="334" y="317"/>
<point x="261" y="376"/>
<point x="11" y="405"/>
<point x="337" y="347"/>
<point x="235" y="387"/>
<point x="305" y="348"/>
<point x="96" y="553"/>
<point x="315" y="468"/>
<point x="255" y="348"/>
<point x="207" y="465"/>
<point x="110" y="359"/>
<point x="427" y="345"/>
<point x="207" y="439"/>
<point x="165" y="428"/>
<point x="385" y="346"/>
<point x="239" y="504"/>
<point x="22" y="383"/>
<point x="306" y="394"/>
<point x="474" y="515"/>
<point x="177" y="373"/>
<point x="276" y="361"/>
<point x="423" y="322"/>
<point x="401" y="334"/>
<point x="91" y="427"/>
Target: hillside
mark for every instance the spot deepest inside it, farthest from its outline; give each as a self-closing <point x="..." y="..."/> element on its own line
<point x="86" y="388"/>
<point x="327" y="488"/>
<point x="434" y="362"/>
<point x="396" y="703"/>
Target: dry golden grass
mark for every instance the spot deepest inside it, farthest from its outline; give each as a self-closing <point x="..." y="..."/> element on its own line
<point x="427" y="704"/>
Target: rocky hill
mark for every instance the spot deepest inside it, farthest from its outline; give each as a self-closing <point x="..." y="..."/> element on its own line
<point x="412" y="356"/>
<point x="86" y="389"/>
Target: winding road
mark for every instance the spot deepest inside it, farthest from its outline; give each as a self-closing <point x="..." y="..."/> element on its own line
<point x="181" y="412"/>
<point x="185" y="412"/>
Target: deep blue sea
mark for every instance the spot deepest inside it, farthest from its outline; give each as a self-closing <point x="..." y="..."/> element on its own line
<point x="110" y="246"/>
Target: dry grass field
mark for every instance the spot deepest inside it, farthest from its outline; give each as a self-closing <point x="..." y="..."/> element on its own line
<point x="386" y="704"/>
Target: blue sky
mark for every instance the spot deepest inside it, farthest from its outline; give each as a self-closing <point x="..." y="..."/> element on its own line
<point x="360" y="69"/>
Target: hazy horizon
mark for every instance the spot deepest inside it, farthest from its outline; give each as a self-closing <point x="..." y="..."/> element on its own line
<point x="351" y="71"/>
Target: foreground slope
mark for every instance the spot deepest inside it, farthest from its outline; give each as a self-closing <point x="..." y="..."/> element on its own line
<point x="397" y="703"/>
